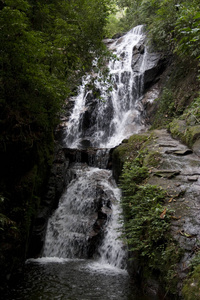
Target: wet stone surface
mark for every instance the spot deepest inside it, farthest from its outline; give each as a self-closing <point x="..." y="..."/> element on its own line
<point x="179" y="173"/>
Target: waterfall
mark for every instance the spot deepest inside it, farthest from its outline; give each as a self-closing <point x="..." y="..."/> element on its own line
<point x="70" y="229"/>
<point x="104" y="121"/>
<point x="86" y="222"/>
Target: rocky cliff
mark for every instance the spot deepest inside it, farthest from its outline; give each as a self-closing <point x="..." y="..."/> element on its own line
<point x="171" y="155"/>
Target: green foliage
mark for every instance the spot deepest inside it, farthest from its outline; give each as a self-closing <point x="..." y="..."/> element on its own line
<point x="45" y="48"/>
<point x="187" y="29"/>
<point x="6" y="223"/>
<point x="113" y="26"/>
<point x="114" y="22"/>
<point x="153" y="159"/>
<point x="191" y="288"/>
<point x="193" y="111"/>
<point x="166" y="109"/>
<point x="132" y="174"/>
<point x="147" y="224"/>
<point x="171" y="24"/>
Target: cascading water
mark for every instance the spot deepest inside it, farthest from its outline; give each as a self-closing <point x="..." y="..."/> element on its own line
<point x="104" y="121"/>
<point x="103" y="124"/>
<point x="86" y="222"/>
<point x="70" y="228"/>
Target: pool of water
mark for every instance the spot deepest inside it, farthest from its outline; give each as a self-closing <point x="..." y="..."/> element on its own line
<point x="64" y="279"/>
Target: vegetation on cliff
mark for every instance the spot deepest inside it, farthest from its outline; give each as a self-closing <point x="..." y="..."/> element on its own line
<point x="146" y="212"/>
<point x="172" y="27"/>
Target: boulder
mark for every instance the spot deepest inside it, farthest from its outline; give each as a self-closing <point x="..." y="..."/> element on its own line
<point x="156" y="65"/>
<point x="137" y="53"/>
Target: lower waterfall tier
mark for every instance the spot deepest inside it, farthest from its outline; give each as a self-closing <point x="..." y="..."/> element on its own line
<point x="86" y="223"/>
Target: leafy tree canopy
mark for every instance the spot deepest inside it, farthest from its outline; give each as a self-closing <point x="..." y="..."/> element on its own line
<point x="172" y="25"/>
<point x="45" y="47"/>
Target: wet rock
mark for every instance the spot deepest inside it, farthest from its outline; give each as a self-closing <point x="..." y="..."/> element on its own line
<point x="183" y="186"/>
<point x="179" y="175"/>
<point x="92" y="119"/>
<point x="165" y="173"/>
<point x="138" y="51"/>
<point x="156" y="66"/>
<point x="179" y="152"/>
<point x="93" y="157"/>
<point x="118" y="35"/>
<point x="196" y="147"/>
<point x="192" y="178"/>
<point x="149" y="105"/>
<point x="186" y="133"/>
<point x="85" y="144"/>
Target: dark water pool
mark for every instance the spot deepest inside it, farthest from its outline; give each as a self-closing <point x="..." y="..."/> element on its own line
<point x="74" y="280"/>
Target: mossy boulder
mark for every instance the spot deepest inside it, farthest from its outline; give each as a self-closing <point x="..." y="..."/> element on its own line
<point x="191" y="289"/>
<point x="126" y="151"/>
<point x="187" y="134"/>
<point x="152" y="159"/>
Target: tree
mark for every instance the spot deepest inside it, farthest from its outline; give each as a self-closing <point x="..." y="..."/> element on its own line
<point x="45" y="47"/>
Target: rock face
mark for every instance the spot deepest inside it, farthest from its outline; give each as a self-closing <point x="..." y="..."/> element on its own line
<point x="138" y="51"/>
<point x="179" y="173"/>
<point x="56" y="185"/>
<point x="175" y="168"/>
<point x="156" y="64"/>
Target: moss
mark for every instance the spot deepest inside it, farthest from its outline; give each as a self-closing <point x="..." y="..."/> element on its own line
<point x="153" y="159"/>
<point x="177" y="128"/>
<point x="187" y="134"/>
<point x="180" y="94"/>
<point x="192" y="134"/>
<point x="128" y="150"/>
<point x="166" y="109"/>
<point x="191" y="289"/>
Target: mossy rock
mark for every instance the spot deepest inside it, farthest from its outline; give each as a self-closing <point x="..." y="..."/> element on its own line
<point x="153" y="159"/>
<point x="196" y="147"/>
<point x="191" y="289"/>
<point x="128" y="150"/>
<point x="187" y="134"/>
<point x="177" y="128"/>
<point x="192" y="134"/>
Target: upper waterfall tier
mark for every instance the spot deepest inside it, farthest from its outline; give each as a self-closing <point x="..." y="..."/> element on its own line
<point x="107" y="111"/>
<point x="105" y="120"/>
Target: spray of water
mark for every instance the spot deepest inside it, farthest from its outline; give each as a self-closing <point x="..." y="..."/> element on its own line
<point x="110" y="121"/>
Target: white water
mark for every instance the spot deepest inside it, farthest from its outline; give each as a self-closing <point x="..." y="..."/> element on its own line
<point x="112" y="119"/>
<point x="118" y="113"/>
<point x="64" y="272"/>
<point x="69" y="228"/>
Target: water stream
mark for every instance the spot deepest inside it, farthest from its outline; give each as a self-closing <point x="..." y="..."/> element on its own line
<point x="106" y="120"/>
<point x="71" y="265"/>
